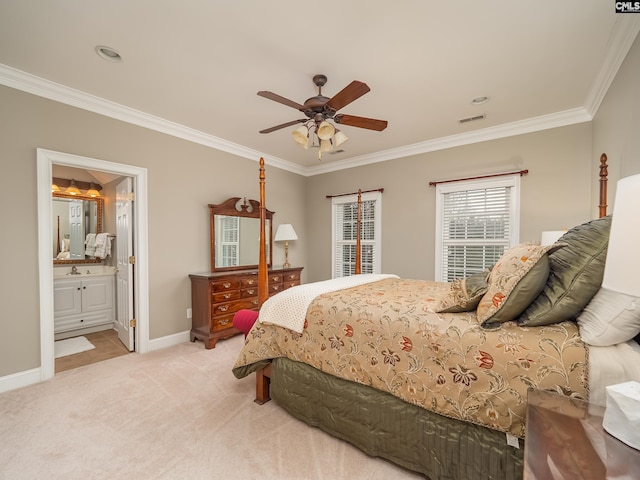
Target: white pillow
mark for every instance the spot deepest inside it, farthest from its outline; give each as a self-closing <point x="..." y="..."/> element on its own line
<point x="609" y="318"/>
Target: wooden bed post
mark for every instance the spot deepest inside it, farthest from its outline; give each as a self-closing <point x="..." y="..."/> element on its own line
<point x="604" y="173"/>
<point x="358" y="233"/>
<point x="263" y="376"/>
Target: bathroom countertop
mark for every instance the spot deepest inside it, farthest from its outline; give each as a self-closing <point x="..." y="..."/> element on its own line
<point x="83" y="271"/>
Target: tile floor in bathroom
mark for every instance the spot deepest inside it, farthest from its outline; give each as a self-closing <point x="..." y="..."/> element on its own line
<point x="107" y="346"/>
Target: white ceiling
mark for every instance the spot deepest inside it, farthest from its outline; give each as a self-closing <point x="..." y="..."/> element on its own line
<point x="192" y="68"/>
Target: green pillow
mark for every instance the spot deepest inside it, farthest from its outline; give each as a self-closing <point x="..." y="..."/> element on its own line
<point x="575" y="275"/>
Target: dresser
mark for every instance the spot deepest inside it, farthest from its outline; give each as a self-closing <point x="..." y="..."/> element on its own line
<point x="216" y="297"/>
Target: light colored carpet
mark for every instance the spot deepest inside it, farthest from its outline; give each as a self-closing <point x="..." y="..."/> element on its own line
<point x="71" y="346"/>
<point x="176" y="413"/>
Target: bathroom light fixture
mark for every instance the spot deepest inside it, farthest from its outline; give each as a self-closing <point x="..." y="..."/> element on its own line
<point x="75" y="187"/>
<point x="108" y="53"/>
<point x="72" y="189"/>
<point x="92" y="192"/>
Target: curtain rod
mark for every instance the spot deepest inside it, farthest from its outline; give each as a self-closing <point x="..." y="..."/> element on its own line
<point x="521" y="172"/>
<point x="381" y="190"/>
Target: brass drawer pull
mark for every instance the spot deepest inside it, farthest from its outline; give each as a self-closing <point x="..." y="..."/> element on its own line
<point x="227" y="295"/>
<point x="251" y="292"/>
<point x="275" y="279"/>
<point x="250" y="282"/>
<point x="226" y="285"/>
<point x="292" y="277"/>
<point x="223" y="308"/>
<point x="276" y="287"/>
<point x="254" y="302"/>
<point x="224" y="322"/>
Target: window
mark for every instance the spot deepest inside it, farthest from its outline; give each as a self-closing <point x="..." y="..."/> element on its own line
<point x="228" y="239"/>
<point x="345" y="215"/>
<point x="476" y="222"/>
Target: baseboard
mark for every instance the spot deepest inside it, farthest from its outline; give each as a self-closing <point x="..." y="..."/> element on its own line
<point x="168" y="341"/>
<point x="20" y="379"/>
<point x="31" y="377"/>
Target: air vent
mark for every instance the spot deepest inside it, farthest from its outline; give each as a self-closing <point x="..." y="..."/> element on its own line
<point x="472" y="119"/>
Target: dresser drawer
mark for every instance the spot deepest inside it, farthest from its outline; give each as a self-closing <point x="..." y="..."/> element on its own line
<point x="249" y="292"/>
<point x="275" y="278"/>
<point x="227" y="296"/>
<point x="290" y="283"/>
<point x="222" y="322"/>
<point x="225" y="285"/>
<point x="251" y="281"/>
<point x="227" y="308"/>
<point x="291" y="277"/>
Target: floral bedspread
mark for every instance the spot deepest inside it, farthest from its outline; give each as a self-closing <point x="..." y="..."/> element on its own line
<point x="386" y="335"/>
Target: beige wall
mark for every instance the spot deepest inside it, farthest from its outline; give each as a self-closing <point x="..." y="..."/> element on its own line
<point x="555" y="194"/>
<point x="616" y="126"/>
<point x="183" y="178"/>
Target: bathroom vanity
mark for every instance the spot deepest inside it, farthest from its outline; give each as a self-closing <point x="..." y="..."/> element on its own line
<point x="83" y="303"/>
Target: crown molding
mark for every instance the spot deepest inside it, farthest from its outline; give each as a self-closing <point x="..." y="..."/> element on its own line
<point x="624" y="33"/>
<point x="41" y="87"/>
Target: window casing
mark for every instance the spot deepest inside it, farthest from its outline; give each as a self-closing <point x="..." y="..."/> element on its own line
<point x="476" y="222"/>
<point x="344" y="212"/>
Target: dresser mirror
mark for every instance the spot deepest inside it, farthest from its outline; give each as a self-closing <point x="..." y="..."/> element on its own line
<point x="235" y="234"/>
<point x="74" y="217"/>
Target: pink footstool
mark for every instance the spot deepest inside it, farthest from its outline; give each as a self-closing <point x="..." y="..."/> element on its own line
<point x="243" y="320"/>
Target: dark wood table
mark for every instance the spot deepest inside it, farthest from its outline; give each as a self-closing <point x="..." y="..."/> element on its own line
<point x="565" y="440"/>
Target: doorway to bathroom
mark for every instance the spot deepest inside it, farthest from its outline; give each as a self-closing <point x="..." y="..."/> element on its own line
<point x="136" y="279"/>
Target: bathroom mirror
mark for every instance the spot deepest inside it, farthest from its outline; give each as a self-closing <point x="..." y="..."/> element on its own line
<point x="74" y="217"/>
<point x="235" y="234"/>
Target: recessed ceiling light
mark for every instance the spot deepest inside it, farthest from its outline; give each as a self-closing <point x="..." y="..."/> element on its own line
<point x="108" y="53"/>
<point x="480" y="100"/>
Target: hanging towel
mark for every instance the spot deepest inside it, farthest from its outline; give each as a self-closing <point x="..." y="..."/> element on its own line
<point x="103" y="245"/>
<point x="90" y="245"/>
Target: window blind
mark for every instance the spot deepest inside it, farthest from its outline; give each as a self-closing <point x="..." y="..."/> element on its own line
<point x="345" y="215"/>
<point x="476" y="227"/>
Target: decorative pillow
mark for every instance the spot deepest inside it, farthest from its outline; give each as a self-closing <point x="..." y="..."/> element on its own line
<point x="575" y="277"/>
<point x="515" y="281"/>
<point x="609" y="318"/>
<point x="465" y="294"/>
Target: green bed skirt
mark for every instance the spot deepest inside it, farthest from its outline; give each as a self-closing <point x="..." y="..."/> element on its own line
<point x="383" y="426"/>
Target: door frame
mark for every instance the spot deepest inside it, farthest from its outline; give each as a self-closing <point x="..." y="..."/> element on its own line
<point x="45" y="160"/>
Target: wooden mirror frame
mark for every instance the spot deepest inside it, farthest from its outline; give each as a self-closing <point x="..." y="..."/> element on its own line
<point x="238" y="207"/>
<point x="99" y="213"/>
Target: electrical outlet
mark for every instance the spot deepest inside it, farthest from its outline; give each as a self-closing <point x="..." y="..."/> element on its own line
<point x="189" y="313"/>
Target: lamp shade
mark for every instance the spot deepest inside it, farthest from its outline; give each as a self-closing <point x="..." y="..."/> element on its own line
<point x="325" y="130"/>
<point x="285" y="232"/>
<point x="550" y="237"/>
<point x="339" y="138"/>
<point x="72" y="189"/>
<point x="301" y="135"/>
<point x="623" y="263"/>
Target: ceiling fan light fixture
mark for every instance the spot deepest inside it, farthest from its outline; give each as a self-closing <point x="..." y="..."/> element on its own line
<point x="339" y="138"/>
<point x="325" y="145"/>
<point x="325" y="131"/>
<point x="301" y="136"/>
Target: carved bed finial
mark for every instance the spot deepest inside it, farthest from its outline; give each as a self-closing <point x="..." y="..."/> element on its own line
<point x="604" y="173"/>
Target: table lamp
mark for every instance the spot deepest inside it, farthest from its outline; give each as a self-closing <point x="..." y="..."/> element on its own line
<point x="285" y="233"/>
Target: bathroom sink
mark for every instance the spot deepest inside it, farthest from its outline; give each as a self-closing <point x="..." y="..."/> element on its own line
<point x="83" y="271"/>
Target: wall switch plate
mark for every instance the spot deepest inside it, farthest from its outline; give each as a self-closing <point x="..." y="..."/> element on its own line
<point x="189" y="313"/>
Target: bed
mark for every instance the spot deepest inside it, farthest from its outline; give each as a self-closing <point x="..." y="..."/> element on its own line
<point x="434" y="376"/>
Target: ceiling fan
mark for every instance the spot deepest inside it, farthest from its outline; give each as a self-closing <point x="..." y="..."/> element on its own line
<point x="319" y="110"/>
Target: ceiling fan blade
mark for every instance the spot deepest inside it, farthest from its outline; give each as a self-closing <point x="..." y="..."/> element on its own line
<point x="277" y="98"/>
<point x="288" y="124"/>
<point x="348" y="94"/>
<point x="362" y="122"/>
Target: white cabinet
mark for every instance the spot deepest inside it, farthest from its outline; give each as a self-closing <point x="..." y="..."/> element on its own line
<point x="83" y="303"/>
